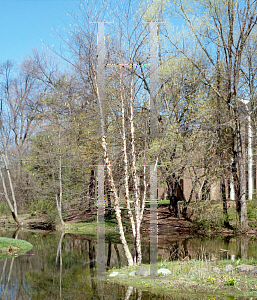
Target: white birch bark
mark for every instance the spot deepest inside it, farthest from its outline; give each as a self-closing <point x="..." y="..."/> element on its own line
<point x="113" y="187"/>
<point x="59" y="201"/>
<point x="127" y="198"/>
<point x="116" y="204"/>
<point x="59" y="253"/>
<point x="138" y="256"/>
<point x="145" y="189"/>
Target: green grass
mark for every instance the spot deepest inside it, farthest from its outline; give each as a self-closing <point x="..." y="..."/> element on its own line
<point x="24" y="246"/>
<point x="193" y="279"/>
<point x="89" y="227"/>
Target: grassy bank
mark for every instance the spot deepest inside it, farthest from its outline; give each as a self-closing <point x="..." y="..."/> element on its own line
<point x="89" y="227"/>
<point x="13" y="246"/>
<point x="194" y="279"/>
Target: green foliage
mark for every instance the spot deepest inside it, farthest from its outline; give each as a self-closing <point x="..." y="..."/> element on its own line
<point x="43" y="205"/>
<point x="52" y="216"/>
<point x="230" y="281"/>
<point x="90" y="219"/>
<point x="211" y="279"/>
<point x="208" y="217"/>
<point x="4" y="210"/>
<point x="252" y="213"/>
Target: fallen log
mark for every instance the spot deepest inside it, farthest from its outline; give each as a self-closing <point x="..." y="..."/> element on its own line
<point x="42" y="225"/>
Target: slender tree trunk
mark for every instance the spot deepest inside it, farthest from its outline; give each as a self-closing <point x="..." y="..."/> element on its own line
<point x="116" y="205"/>
<point x="109" y="254"/>
<point x="222" y="179"/>
<point x="59" y="253"/>
<point x="99" y="81"/>
<point x="243" y="212"/>
<point x="8" y="279"/>
<point x="117" y="254"/>
<point x="113" y="187"/>
<point x="108" y="195"/>
<point x="244" y="247"/>
<point x="254" y="161"/>
<point x="224" y="203"/>
<point x="236" y="185"/>
<point x="126" y="177"/>
<point x="59" y="202"/>
<point x="6" y="162"/>
<point x="58" y="199"/>
<point x="14" y="215"/>
<point x="91" y="202"/>
<point x="138" y="253"/>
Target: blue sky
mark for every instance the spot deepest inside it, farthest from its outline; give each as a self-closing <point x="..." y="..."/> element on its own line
<point x="24" y="23"/>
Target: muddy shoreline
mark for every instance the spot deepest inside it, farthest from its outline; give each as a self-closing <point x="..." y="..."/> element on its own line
<point x="167" y="224"/>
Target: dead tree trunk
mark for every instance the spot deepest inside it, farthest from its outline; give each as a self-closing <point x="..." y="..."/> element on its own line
<point x="13" y="207"/>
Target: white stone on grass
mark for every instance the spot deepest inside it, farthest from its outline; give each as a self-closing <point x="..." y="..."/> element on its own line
<point x="133" y="273"/>
<point x="143" y="272"/>
<point x="163" y="271"/>
<point x="254" y="271"/>
<point x="113" y="274"/>
<point x="228" y="268"/>
<point x="245" y="268"/>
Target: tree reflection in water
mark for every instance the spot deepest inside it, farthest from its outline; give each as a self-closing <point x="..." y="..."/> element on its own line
<point x="64" y="265"/>
<point x="59" y="253"/>
<point x="6" y="283"/>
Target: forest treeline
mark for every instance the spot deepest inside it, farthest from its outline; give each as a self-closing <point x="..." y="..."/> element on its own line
<point x="51" y="144"/>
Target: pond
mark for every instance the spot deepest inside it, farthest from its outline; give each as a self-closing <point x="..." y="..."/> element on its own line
<point x="63" y="266"/>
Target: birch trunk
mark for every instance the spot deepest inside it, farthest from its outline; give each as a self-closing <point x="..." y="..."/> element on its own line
<point x="116" y="205"/>
<point x="59" y="202"/>
<point x="59" y="253"/>
<point x="127" y="198"/>
<point x="138" y="253"/>
<point x="113" y="187"/>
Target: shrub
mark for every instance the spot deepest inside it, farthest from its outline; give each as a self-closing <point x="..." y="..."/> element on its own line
<point x="230" y="281"/>
<point x="4" y="210"/>
<point x="252" y="213"/>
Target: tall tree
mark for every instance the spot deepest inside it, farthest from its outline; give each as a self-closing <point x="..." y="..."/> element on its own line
<point x="224" y="27"/>
<point x="19" y="93"/>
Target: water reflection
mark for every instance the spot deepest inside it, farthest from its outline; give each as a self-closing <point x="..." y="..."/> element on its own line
<point x="207" y="249"/>
<point x="4" y="281"/>
<point x="59" y="253"/>
<point x="64" y="265"/>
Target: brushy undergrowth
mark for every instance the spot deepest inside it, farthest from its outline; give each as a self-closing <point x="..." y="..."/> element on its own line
<point x="252" y="213"/>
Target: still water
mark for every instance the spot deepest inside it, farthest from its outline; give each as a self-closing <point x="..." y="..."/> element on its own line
<point x="63" y="266"/>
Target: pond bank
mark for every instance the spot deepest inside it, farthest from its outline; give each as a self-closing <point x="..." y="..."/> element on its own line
<point x="10" y="247"/>
<point x="193" y="279"/>
<point x="86" y="222"/>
